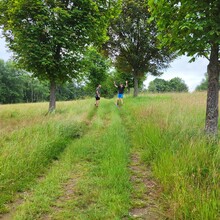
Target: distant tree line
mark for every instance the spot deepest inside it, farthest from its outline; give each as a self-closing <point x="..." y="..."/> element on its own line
<point x="174" y="85"/>
<point x="17" y="86"/>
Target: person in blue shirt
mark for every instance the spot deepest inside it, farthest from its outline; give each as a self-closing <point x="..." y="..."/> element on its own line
<point x="121" y="87"/>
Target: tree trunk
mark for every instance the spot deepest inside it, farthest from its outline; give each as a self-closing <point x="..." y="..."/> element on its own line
<point x="32" y="93"/>
<point x="211" y="126"/>
<point x="135" y="86"/>
<point x="52" y="105"/>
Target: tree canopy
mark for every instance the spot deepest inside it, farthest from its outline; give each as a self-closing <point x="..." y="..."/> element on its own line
<point x="193" y="28"/>
<point x="95" y="69"/>
<point x="48" y="38"/>
<point x="174" y="85"/>
<point x="133" y="44"/>
<point x="10" y="83"/>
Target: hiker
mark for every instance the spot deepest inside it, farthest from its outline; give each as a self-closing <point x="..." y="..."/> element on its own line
<point x="121" y="89"/>
<point x="97" y="95"/>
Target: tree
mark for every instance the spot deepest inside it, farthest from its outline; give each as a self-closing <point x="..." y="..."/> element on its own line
<point x="70" y="90"/>
<point x="174" y="85"/>
<point x="119" y="77"/>
<point x="158" y="85"/>
<point x="95" y="70"/>
<point x="177" y="85"/>
<point x="203" y="85"/>
<point x="48" y="38"/>
<point x="11" y="84"/>
<point x="133" y="45"/>
<point x="192" y="28"/>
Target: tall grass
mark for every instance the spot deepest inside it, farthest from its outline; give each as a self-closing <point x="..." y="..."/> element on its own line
<point x="83" y="153"/>
<point x="26" y="151"/>
<point x="94" y="170"/>
<point x="169" y="134"/>
<point x="103" y="193"/>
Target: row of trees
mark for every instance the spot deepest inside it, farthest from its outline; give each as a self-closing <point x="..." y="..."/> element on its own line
<point x="133" y="45"/>
<point x="17" y="86"/>
<point x="50" y="38"/>
<point x="174" y="85"/>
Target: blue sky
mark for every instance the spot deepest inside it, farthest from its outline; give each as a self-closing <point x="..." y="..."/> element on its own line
<point x="191" y="73"/>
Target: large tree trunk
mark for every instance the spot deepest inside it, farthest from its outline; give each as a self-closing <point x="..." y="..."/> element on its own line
<point x="52" y="105"/>
<point x="211" y="126"/>
<point x="135" y="86"/>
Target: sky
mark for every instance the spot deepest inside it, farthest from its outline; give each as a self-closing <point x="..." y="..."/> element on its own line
<point x="191" y="73"/>
<point x="5" y="54"/>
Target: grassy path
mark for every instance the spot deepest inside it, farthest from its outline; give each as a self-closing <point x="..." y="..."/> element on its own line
<point x="90" y="180"/>
<point x="146" y="160"/>
<point x="94" y="177"/>
<point x="146" y="193"/>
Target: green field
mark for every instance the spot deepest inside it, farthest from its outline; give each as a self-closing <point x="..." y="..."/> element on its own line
<point x="148" y="159"/>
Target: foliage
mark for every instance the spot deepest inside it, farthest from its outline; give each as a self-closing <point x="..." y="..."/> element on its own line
<point x="49" y="37"/>
<point x="177" y="85"/>
<point x="158" y="85"/>
<point x="174" y="85"/>
<point x="108" y="90"/>
<point x="192" y="28"/>
<point x="187" y="26"/>
<point x="70" y="91"/>
<point x="33" y="89"/>
<point x="133" y="45"/>
<point x="11" y="83"/>
<point x="17" y="86"/>
<point x="95" y="69"/>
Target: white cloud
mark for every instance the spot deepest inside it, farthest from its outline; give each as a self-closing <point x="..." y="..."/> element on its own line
<point x="5" y="54"/>
<point x="191" y="73"/>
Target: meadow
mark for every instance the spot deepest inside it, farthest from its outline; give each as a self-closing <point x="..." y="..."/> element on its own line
<point x="148" y="159"/>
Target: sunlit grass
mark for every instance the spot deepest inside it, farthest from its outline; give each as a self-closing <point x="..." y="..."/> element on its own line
<point x="27" y="150"/>
<point x="97" y="163"/>
<point x="170" y="136"/>
<point x="16" y="116"/>
<point x="92" y="147"/>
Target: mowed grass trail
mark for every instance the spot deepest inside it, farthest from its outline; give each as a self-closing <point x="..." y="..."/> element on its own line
<point x="89" y="179"/>
<point x="148" y="159"/>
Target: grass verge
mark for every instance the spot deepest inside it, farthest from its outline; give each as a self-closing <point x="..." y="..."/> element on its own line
<point x="169" y="137"/>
